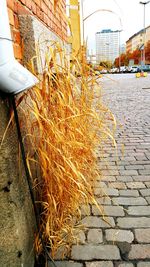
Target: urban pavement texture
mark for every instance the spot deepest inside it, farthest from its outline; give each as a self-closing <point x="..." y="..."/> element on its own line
<point x="123" y="240"/>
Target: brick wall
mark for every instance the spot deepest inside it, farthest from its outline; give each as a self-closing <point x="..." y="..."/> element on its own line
<point x="49" y="12"/>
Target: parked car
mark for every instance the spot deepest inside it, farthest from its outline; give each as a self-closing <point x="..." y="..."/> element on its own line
<point x="145" y="68"/>
<point x="140" y="68"/>
<point x="103" y="71"/>
<point x="114" y="70"/>
<point x="123" y="69"/>
<point x="135" y="69"/>
<point x="127" y="69"/>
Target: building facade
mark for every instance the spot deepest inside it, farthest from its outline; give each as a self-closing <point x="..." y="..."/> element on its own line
<point x="107" y="45"/>
<point x="47" y="13"/>
<point x="137" y="40"/>
<point x="74" y="38"/>
<point x="30" y="22"/>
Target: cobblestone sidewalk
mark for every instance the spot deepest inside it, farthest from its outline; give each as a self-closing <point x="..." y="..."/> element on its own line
<point x="125" y="241"/>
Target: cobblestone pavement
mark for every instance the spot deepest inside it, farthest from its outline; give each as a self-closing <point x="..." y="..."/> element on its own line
<point x="125" y="241"/>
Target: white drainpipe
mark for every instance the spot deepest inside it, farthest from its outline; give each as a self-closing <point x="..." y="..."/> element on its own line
<point x="14" y="78"/>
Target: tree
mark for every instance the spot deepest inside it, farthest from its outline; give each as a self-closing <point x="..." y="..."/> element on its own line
<point x="147" y="53"/>
<point x="136" y="55"/>
<point x="124" y="61"/>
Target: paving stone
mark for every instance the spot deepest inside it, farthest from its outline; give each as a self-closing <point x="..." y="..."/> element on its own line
<point x="135" y="185"/>
<point x="139" y="252"/>
<point x="148" y="199"/>
<point x="141" y="178"/>
<point x="136" y="222"/>
<point x="109" y="168"/>
<point x="97" y="222"/>
<point x="130" y="193"/>
<point x="112" y="162"/>
<point x="145" y="192"/>
<point x="143" y="264"/>
<point x="100" y="184"/>
<point x="85" y="210"/>
<point x="123" y="162"/>
<point x="144" y="162"/>
<point x="80" y="237"/>
<point x="104" y="201"/>
<point x="117" y="235"/>
<point x="142" y="235"/>
<point x="60" y="253"/>
<point x="144" y="172"/>
<point x="146" y="167"/>
<point x="95" y="236"/>
<point x="134" y="167"/>
<point x="111" y="173"/>
<point x="118" y="185"/>
<point x="108" y="178"/>
<point x="126" y="158"/>
<point x="65" y="264"/>
<point x="114" y="211"/>
<point x="120" y="167"/>
<point x="128" y="201"/>
<point x="124" y="178"/>
<point x="145" y="145"/>
<point x="147" y="184"/>
<point x="99" y="264"/>
<point x="93" y="252"/>
<point x="141" y="158"/>
<point x="106" y="192"/>
<point x="125" y="264"/>
<point x="128" y="172"/>
<point x="139" y="211"/>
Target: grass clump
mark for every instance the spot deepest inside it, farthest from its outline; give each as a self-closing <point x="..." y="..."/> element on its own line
<point x="65" y="121"/>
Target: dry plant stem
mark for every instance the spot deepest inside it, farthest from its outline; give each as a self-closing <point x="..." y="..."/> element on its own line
<point x="65" y="123"/>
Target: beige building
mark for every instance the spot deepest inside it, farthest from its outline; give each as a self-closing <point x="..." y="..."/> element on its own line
<point x="137" y="40"/>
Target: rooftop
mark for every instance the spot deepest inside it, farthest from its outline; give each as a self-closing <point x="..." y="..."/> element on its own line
<point x="106" y="31"/>
<point x="137" y="33"/>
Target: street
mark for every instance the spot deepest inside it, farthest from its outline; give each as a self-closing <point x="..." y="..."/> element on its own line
<point x="125" y="182"/>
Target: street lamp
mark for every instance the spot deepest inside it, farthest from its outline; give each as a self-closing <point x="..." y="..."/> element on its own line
<point x="100" y="10"/>
<point x="119" y="31"/>
<point x="82" y="14"/>
<point x="94" y="12"/>
<point x="144" y="3"/>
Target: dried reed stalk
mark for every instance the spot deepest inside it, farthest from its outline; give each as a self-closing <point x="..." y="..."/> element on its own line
<point x="65" y="121"/>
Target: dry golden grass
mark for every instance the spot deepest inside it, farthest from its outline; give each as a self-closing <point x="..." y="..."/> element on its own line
<point x="65" y="122"/>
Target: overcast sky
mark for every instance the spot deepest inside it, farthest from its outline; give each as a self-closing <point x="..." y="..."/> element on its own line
<point x="129" y="13"/>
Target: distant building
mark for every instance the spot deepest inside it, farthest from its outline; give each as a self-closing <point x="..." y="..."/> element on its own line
<point x="129" y="46"/>
<point x="107" y="45"/>
<point x="137" y="40"/>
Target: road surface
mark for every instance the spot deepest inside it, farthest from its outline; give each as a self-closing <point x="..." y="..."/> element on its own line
<point x="125" y="241"/>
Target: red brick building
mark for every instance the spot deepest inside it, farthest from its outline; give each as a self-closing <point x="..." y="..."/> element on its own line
<point x="49" y="12"/>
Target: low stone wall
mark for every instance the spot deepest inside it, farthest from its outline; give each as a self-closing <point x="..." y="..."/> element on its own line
<point x="17" y="225"/>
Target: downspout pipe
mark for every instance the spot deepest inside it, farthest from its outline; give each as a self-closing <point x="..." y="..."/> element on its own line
<point x="14" y="78"/>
